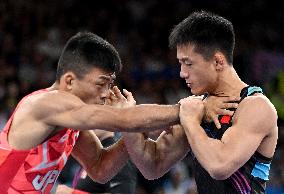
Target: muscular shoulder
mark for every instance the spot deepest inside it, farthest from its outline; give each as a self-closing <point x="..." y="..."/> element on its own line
<point x="256" y="110"/>
<point x="43" y="104"/>
<point x="259" y="103"/>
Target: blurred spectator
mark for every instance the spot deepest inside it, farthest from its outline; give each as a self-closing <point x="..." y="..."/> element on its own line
<point x="179" y="183"/>
<point x="32" y="32"/>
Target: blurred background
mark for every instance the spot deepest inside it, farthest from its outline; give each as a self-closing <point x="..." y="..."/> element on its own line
<point x="33" y="33"/>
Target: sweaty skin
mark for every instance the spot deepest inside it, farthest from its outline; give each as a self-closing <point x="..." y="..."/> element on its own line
<point x="79" y="104"/>
<point x="249" y="133"/>
<point x="155" y="158"/>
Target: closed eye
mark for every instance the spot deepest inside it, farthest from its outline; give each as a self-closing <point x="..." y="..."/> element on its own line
<point x="100" y="84"/>
<point x="185" y="61"/>
<point x="188" y="64"/>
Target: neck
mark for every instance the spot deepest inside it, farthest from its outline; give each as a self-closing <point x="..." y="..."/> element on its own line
<point x="229" y="83"/>
<point x="54" y="86"/>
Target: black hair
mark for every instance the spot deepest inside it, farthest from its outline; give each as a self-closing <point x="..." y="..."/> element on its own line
<point x="84" y="51"/>
<point x="208" y="32"/>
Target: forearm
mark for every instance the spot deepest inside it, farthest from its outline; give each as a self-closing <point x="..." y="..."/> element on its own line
<point x="143" y="118"/>
<point x="156" y="116"/>
<point x="142" y="152"/>
<point x="154" y="158"/>
<point x="100" y="163"/>
<point x="111" y="160"/>
<point x="139" y="118"/>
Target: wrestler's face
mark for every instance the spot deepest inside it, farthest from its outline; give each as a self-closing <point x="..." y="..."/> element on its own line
<point x="199" y="74"/>
<point x="94" y="87"/>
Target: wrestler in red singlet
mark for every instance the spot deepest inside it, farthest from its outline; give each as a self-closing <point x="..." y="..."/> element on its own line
<point x="35" y="170"/>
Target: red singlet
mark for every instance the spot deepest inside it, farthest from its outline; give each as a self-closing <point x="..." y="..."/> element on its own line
<point x="35" y="170"/>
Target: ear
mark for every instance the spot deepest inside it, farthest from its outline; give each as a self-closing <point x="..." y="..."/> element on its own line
<point x="68" y="80"/>
<point x="219" y="60"/>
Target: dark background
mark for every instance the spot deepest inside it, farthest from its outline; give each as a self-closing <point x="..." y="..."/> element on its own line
<point x="32" y="34"/>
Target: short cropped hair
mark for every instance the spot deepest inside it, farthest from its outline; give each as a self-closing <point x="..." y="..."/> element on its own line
<point x="208" y="32"/>
<point x="84" y="51"/>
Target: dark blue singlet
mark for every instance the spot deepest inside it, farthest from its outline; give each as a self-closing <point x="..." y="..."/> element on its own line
<point x="250" y="178"/>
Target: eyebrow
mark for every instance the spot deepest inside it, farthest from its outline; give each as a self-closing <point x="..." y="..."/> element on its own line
<point x="108" y="77"/>
<point x="184" y="59"/>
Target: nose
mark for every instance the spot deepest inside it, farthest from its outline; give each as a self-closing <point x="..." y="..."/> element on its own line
<point x="183" y="72"/>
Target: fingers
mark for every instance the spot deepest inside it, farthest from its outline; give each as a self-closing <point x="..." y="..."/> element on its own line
<point x="112" y="96"/>
<point x="117" y="99"/>
<point x="128" y="95"/>
<point x="117" y="93"/>
<point x="216" y="122"/>
<point x="108" y="101"/>
<point x="229" y="105"/>
<point x="225" y="112"/>
<point x="231" y="99"/>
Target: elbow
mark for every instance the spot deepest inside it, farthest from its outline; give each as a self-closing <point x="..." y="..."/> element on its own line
<point x="222" y="167"/>
<point x="100" y="177"/>
<point x="102" y="180"/>
<point x="99" y="174"/>
<point x="150" y="177"/>
<point x="153" y="173"/>
<point x="220" y="172"/>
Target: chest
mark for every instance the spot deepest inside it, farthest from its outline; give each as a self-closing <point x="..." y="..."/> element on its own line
<point x="213" y="132"/>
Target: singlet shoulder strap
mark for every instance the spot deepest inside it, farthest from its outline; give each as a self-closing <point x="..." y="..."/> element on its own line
<point x="245" y="92"/>
<point x="249" y="91"/>
<point x="254" y="89"/>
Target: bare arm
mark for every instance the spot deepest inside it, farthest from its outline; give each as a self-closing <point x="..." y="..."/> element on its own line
<point x="238" y="143"/>
<point x="63" y="189"/>
<point x="154" y="158"/>
<point x="100" y="163"/>
<point x="66" y="110"/>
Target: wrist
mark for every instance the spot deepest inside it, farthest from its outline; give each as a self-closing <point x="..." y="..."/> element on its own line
<point x="176" y="111"/>
<point x="190" y="122"/>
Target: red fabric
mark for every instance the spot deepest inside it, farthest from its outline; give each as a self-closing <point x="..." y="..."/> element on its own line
<point x="35" y="170"/>
<point x="225" y="119"/>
